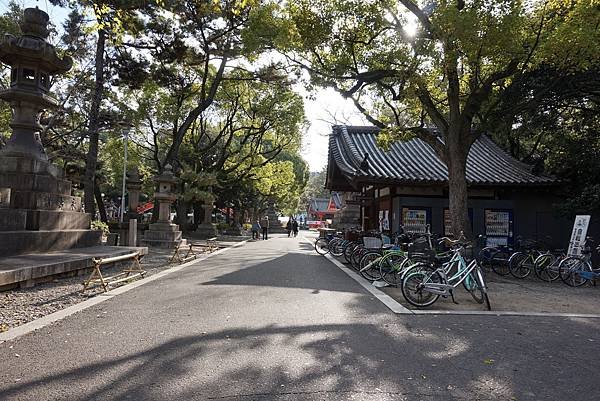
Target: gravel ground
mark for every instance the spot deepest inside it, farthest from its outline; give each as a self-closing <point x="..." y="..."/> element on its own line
<point x="20" y="306"/>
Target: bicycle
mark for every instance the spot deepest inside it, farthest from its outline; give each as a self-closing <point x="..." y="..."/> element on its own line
<point x="546" y="266"/>
<point x="322" y="244"/>
<point x="576" y="271"/>
<point x="422" y="286"/>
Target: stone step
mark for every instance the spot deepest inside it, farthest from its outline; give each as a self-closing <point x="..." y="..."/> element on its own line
<point x="20" y="242"/>
<point x="162" y="243"/>
<point x="29" y="268"/>
<point x="35" y="183"/>
<point x="53" y="220"/>
<point x="20" y="219"/>
<point x="44" y="201"/>
<point x="162" y="235"/>
<point x="28" y="165"/>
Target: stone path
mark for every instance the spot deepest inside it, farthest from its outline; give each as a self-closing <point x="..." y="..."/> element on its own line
<point x="271" y="320"/>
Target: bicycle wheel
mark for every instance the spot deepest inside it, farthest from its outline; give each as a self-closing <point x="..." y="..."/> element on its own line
<point x="499" y="262"/>
<point x="571" y="269"/>
<point x="485" y="256"/>
<point x="390" y="268"/>
<point x="348" y="251"/>
<point x="483" y="288"/>
<point x="369" y="266"/>
<point x="472" y="286"/>
<point x="545" y="267"/>
<point x="357" y="254"/>
<point x="336" y="247"/>
<point x="520" y="264"/>
<point x="322" y="246"/>
<point x="413" y="286"/>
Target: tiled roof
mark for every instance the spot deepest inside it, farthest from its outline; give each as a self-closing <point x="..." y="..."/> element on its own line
<point x="415" y="161"/>
<point x="319" y="204"/>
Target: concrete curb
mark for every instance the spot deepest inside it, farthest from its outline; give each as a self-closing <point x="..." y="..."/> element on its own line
<point x="18" y="331"/>
<point x="399" y="309"/>
<point x="384" y="298"/>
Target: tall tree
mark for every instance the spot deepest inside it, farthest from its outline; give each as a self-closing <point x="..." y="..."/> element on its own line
<point x="433" y="69"/>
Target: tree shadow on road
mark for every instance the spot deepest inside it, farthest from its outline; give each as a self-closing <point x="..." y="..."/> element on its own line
<point x="426" y="359"/>
<point x="290" y="270"/>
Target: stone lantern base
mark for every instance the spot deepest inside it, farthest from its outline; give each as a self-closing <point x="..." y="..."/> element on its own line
<point x="37" y="211"/>
<point x="163" y="235"/>
<point x="206" y="230"/>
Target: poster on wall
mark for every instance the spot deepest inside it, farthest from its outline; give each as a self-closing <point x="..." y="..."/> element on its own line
<point x="580" y="227"/>
<point x="414" y="220"/>
<point x="386" y="220"/>
<point x="380" y="220"/>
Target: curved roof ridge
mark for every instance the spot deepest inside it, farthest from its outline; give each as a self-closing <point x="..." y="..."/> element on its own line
<point x="415" y="161"/>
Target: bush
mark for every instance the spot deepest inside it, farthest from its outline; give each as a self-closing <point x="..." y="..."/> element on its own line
<point x="100" y="225"/>
<point x="222" y="226"/>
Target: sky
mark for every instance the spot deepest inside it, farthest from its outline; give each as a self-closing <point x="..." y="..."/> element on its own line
<point x="322" y="108"/>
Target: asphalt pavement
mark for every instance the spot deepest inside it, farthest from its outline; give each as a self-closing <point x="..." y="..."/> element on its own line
<point x="272" y="320"/>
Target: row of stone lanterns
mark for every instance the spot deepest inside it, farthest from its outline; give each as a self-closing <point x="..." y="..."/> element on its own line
<point x="164" y="233"/>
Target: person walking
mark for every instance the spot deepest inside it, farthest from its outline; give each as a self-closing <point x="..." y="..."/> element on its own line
<point x="265" y="227"/>
<point x="288" y="227"/>
<point x="255" y="229"/>
<point x="295" y="227"/>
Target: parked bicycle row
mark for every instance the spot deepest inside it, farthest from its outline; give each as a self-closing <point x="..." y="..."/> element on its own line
<point x="547" y="265"/>
<point x="423" y="266"/>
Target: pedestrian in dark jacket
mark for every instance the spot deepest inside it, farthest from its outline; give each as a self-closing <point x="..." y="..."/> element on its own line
<point x="265" y="227"/>
<point x="295" y="227"/>
<point x="288" y="227"/>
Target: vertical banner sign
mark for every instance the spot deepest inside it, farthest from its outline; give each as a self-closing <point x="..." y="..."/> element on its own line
<point x="580" y="228"/>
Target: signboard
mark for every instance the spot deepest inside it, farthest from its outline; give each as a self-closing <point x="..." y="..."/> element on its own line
<point x="578" y="235"/>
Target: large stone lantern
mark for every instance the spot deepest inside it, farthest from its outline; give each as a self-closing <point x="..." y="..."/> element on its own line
<point x="207" y="229"/>
<point x="37" y="211"/>
<point x="164" y="233"/>
<point x="134" y="187"/>
<point x="32" y="61"/>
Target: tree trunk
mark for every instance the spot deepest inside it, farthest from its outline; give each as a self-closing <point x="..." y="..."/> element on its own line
<point x="100" y="202"/>
<point x="182" y="207"/>
<point x="198" y="212"/>
<point x="457" y="186"/>
<point x="93" y="128"/>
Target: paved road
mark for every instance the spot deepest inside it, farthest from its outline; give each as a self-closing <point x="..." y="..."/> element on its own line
<point x="273" y="321"/>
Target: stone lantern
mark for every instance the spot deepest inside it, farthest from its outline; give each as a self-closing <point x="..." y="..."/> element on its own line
<point x="37" y="211"/>
<point x="134" y="187"/>
<point x="164" y="233"/>
<point x="207" y="229"/>
<point x="32" y="61"/>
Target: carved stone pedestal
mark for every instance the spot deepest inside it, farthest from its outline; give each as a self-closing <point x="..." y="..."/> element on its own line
<point x="207" y="229"/>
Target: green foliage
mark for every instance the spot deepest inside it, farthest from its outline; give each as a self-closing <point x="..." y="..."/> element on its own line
<point x="101" y="226"/>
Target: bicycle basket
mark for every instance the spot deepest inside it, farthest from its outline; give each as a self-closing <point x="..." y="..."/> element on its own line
<point x="372" y="242"/>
